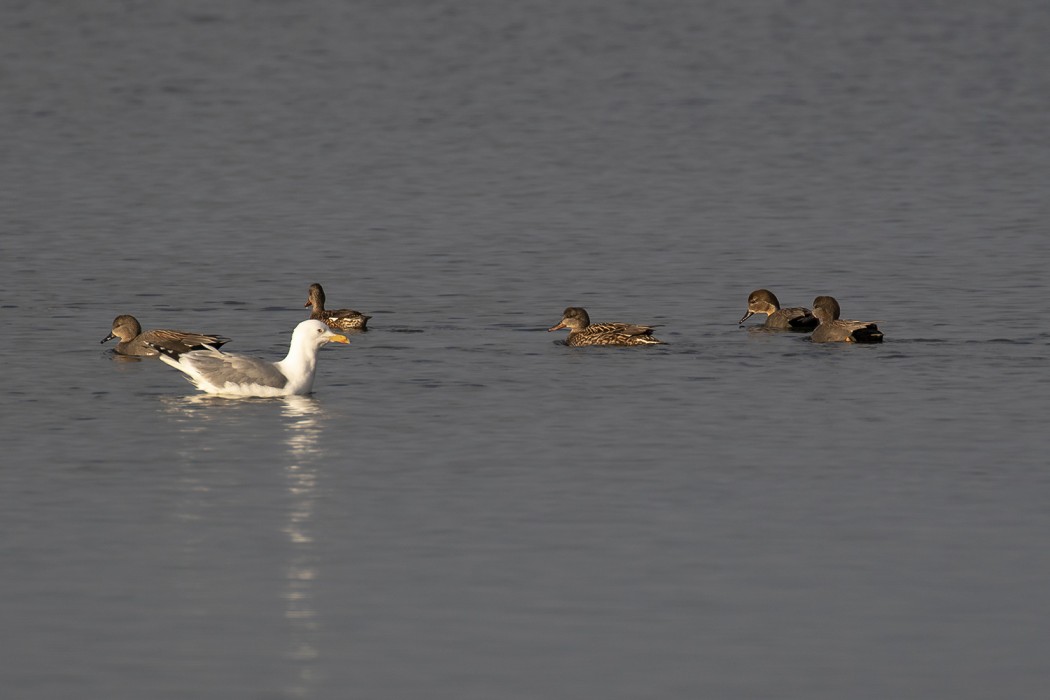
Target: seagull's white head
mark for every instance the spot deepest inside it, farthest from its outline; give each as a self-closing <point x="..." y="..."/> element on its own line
<point x="316" y="333"/>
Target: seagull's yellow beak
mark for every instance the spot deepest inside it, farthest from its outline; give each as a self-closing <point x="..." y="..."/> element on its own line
<point x="336" y="338"/>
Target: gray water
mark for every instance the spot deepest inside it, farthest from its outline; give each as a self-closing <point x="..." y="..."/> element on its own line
<point x="467" y="507"/>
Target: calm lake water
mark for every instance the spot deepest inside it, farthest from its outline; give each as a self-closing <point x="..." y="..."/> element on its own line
<point x="467" y="507"/>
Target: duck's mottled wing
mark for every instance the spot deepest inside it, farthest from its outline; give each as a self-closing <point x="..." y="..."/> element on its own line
<point x="220" y="369"/>
<point x="614" y="334"/>
<point x="343" y="319"/>
<point x="181" y="341"/>
<point x="626" y="329"/>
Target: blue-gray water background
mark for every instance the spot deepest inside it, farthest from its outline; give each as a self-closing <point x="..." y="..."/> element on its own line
<point x="467" y="508"/>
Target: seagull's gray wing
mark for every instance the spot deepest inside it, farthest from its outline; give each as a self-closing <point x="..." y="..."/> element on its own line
<point x="220" y="369"/>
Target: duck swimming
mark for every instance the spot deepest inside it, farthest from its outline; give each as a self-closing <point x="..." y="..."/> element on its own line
<point x="832" y="329"/>
<point x="339" y="319"/>
<point x="134" y="341"/>
<point x="793" y="318"/>
<point x="583" y="332"/>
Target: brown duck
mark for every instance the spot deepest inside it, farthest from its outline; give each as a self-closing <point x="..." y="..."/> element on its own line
<point x="583" y="332"/>
<point x="832" y="329"/>
<point x="793" y="318"/>
<point x="135" y="341"/>
<point x="339" y="319"/>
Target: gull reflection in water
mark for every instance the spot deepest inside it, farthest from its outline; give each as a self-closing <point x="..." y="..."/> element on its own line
<point x="304" y="420"/>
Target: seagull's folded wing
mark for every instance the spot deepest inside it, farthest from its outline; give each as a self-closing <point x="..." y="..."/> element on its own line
<point x="221" y="369"/>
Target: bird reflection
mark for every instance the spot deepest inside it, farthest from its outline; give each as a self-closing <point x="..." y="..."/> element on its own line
<point x="191" y="406"/>
<point x="304" y="420"/>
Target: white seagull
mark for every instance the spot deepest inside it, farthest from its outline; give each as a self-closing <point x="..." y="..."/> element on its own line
<point x="225" y="374"/>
